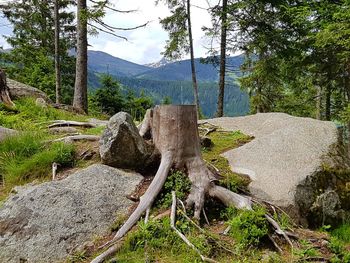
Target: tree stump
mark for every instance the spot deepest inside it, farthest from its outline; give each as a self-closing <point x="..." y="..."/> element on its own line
<point x="173" y="129"/>
<point x="4" y="90"/>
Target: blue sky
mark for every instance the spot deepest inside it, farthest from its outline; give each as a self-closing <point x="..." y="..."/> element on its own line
<point x="144" y="45"/>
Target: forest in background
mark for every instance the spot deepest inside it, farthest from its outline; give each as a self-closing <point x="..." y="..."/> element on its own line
<point x="296" y="52"/>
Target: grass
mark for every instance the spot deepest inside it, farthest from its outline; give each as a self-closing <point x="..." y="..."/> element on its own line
<point x="25" y="158"/>
<point x="224" y="141"/>
<point x="28" y="116"/>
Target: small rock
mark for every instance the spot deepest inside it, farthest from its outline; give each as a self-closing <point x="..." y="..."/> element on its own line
<point x="5" y="132"/>
<point x="41" y="103"/>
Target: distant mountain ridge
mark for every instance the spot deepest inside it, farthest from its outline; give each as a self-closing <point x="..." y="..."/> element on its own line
<point x="163" y="79"/>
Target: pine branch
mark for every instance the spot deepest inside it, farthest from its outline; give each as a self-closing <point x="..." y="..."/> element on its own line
<point x="107" y="32"/>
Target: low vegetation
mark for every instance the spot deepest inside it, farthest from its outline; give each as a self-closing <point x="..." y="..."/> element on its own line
<point x="28" y="156"/>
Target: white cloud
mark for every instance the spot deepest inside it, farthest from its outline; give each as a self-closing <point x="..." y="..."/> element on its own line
<point x="144" y="45"/>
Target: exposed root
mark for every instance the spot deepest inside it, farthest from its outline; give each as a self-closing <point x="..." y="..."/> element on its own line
<point x="182" y="236"/>
<point x="275" y="244"/>
<point x="150" y="195"/>
<point x="109" y="252"/>
<point x="278" y="229"/>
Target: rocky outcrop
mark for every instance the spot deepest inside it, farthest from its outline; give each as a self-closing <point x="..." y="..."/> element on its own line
<point x="5" y="132"/>
<point x="291" y="161"/>
<point x="20" y="90"/>
<point x="47" y="222"/>
<point x="122" y="146"/>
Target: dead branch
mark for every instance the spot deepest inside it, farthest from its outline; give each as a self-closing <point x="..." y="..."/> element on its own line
<point x="63" y="123"/>
<point x="54" y="171"/>
<point x="182" y="236"/>
<point x="109" y="252"/>
<point x="71" y="139"/>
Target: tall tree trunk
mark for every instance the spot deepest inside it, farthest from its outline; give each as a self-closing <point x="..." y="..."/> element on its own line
<point x="318" y="103"/>
<point x="328" y="103"/>
<point x="220" y="110"/>
<point x="193" y="68"/>
<point x="57" y="52"/>
<point x="80" y="102"/>
<point x="4" y="90"/>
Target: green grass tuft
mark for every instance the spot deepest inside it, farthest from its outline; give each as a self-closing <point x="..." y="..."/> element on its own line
<point x="25" y="158"/>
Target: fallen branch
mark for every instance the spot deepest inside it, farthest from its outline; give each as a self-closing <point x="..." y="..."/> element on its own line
<point x="63" y="123"/>
<point x="71" y="139"/>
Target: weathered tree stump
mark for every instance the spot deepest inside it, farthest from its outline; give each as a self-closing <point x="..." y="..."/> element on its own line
<point x="4" y="90"/>
<point x="174" y="132"/>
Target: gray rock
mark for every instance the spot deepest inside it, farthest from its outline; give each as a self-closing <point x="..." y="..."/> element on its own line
<point x="285" y="160"/>
<point x="5" y="132"/>
<point x="41" y="103"/>
<point x="122" y="146"/>
<point x="20" y="90"/>
<point x="45" y="223"/>
<point x="97" y="122"/>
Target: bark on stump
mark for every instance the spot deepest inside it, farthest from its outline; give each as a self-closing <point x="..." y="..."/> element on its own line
<point x="175" y="134"/>
<point x="4" y="90"/>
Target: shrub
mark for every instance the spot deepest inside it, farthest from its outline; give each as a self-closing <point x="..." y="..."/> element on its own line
<point x="249" y="227"/>
<point x="177" y="181"/>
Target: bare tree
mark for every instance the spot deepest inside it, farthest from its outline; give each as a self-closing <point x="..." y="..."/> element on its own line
<point x="80" y="100"/>
<point x="57" y="51"/>
<point x="220" y="110"/>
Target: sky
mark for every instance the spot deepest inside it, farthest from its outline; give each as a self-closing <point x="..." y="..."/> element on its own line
<point x="144" y="45"/>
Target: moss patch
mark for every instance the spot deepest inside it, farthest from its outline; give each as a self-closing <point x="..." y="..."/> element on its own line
<point x="222" y="142"/>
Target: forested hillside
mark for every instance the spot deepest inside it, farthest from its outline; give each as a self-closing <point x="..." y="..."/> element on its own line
<point x="173" y="80"/>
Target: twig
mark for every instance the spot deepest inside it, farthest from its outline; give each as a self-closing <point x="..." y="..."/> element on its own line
<point x="275" y="244"/>
<point x="54" y="171"/>
<point x="70" y="139"/>
<point x="205" y="216"/>
<point x="278" y="229"/>
<point x="182" y="236"/>
<point x="225" y="233"/>
<point x="147" y="215"/>
<point x="62" y="123"/>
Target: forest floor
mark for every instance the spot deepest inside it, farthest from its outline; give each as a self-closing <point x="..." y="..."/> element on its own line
<point x="28" y="158"/>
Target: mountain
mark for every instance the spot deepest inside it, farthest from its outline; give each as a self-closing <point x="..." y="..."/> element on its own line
<point x="173" y="80"/>
<point x="102" y="62"/>
<point x="158" y="64"/>
<point x="181" y="70"/>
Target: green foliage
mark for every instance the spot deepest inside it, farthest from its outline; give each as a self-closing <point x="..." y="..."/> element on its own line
<point x="342" y="232"/>
<point x="108" y="98"/>
<point x="157" y="241"/>
<point x="29" y="116"/>
<point x="224" y="141"/>
<point x="31" y="58"/>
<point x="249" y="227"/>
<point x="111" y="98"/>
<point x="24" y="158"/>
<point x="306" y="250"/>
<point x="176" y="181"/>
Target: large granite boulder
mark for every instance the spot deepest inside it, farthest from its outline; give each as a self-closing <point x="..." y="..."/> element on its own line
<point x="46" y="222"/>
<point x="291" y="162"/>
<point x="122" y="146"/>
<point x="20" y="90"/>
<point x="5" y="132"/>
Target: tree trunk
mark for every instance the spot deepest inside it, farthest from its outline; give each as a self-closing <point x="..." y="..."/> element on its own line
<point x="4" y="90"/>
<point x="328" y="103"/>
<point x="220" y="110"/>
<point x="193" y="68"/>
<point x="318" y="103"/>
<point x="57" y="52"/>
<point x="80" y="102"/>
<point x="175" y="135"/>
